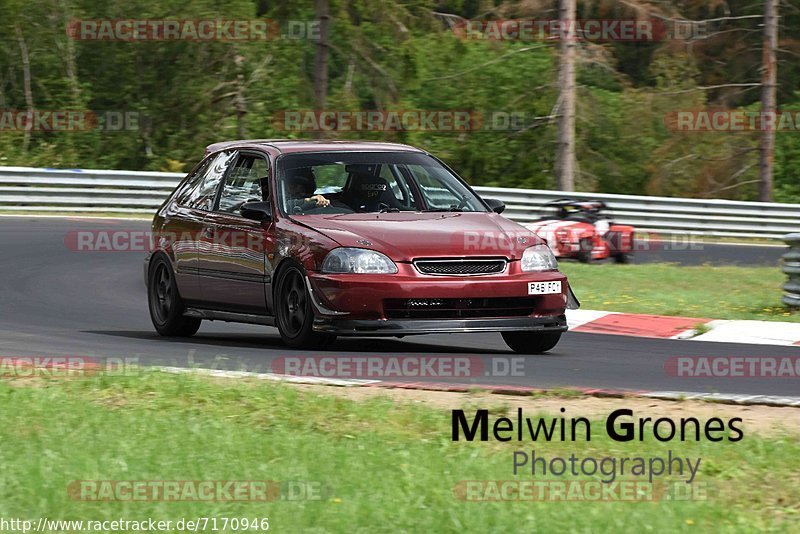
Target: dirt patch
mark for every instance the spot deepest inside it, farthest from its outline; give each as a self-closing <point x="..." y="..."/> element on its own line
<point x="764" y="420"/>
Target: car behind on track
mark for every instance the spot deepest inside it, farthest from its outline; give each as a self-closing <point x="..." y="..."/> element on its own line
<point x="579" y="229"/>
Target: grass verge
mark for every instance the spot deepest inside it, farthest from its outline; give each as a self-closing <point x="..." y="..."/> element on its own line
<point x="388" y="466"/>
<point x="704" y="291"/>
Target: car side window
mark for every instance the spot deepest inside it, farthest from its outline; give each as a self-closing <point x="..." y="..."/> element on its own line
<point x="183" y="196"/>
<point x="203" y="196"/>
<point x="248" y="180"/>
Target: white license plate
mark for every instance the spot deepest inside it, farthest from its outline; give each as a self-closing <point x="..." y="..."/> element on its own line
<point x="544" y="288"/>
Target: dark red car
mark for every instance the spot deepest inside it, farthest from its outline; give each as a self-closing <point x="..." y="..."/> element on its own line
<point x="326" y="239"/>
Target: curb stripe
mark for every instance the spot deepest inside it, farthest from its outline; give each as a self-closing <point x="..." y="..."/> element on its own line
<point x="671" y="327"/>
<point x="628" y="324"/>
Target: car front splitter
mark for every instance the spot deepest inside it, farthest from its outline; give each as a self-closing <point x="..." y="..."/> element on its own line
<point x="407" y="327"/>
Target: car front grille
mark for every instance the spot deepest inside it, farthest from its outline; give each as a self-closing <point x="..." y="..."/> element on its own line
<point x="461" y="267"/>
<point x="461" y="308"/>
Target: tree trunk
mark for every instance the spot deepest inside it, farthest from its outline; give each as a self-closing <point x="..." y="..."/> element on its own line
<point x="321" y="59"/>
<point x="565" y="156"/>
<point x="72" y="72"/>
<point x="768" y="101"/>
<point x="240" y="100"/>
<point x="26" y="73"/>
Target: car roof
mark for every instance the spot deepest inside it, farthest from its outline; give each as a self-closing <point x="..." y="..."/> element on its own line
<point x="286" y="146"/>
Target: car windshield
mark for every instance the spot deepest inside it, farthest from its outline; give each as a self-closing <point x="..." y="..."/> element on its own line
<point x="368" y="182"/>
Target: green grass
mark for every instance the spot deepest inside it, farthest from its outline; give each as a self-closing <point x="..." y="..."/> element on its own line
<point x="666" y="289"/>
<point x="390" y="467"/>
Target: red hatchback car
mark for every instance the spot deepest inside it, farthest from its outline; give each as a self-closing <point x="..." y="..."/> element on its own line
<point x="325" y="239"/>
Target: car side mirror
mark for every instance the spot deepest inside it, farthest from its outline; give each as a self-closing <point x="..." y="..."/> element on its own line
<point x="495" y="205"/>
<point x="257" y="211"/>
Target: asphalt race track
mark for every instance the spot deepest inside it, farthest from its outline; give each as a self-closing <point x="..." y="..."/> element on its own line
<point x="60" y="302"/>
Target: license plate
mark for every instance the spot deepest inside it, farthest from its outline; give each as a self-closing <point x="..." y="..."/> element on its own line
<point x="544" y="288"/>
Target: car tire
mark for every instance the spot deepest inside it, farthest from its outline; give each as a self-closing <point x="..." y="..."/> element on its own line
<point x="623" y="258"/>
<point x="165" y="302"/>
<point x="294" y="313"/>
<point x="585" y="247"/>
<point x="531" y="342"/>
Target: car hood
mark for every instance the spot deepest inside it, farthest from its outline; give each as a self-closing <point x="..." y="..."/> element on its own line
<point x="405" y="236"/>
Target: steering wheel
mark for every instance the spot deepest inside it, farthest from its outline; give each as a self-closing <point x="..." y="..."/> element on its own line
<point x="336" y="206"/>
<point x="461" y="205"/>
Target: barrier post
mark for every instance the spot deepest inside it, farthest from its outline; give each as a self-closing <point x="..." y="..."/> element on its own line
<point x="791" y="267"/>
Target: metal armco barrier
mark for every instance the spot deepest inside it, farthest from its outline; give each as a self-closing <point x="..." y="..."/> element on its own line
<point x="50" y="190"/>
<point x="791" y="266"/>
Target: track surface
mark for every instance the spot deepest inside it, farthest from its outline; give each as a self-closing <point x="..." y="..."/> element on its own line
<point x="58" y="302"/>
<point x="698" y="253"/>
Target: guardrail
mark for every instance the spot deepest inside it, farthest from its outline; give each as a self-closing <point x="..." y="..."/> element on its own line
<point x="24" y="189"/>
<point x="667" y="215"/>
<point x="791" y="267"/>
<point x="41" y="190"/>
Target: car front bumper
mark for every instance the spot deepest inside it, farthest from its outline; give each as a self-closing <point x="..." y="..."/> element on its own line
<point x="407" y="327"/>
<point x="356" y="304"/>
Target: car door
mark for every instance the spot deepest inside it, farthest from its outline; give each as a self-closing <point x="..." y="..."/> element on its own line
<point x="183" y="221"/>
<point x="232" y="262"/>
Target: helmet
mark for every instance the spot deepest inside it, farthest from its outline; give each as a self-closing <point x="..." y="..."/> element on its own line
<point x="304" y="178"/>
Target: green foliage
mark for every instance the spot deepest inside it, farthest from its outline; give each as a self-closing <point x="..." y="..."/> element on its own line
<point x="787" y="156"/>
<point x="386" y="55"/>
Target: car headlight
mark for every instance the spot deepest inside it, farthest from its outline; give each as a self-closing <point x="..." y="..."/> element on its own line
<point x="538" y="258"/>
<point x="357" y="260"/>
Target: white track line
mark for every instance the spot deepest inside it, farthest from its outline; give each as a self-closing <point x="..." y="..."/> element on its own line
<point x="725" y="398"/>
<point x="220" y="373"/>
<point x="752" y="332"/>
<point x="576" y="318"/>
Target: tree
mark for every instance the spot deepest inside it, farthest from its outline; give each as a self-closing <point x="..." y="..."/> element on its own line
<point x="565" y="157"/>
<point x="321" y="58"/>
<point x="768" y="101"/>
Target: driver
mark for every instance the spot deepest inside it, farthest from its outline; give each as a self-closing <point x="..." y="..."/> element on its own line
<point x="300" y="186"/>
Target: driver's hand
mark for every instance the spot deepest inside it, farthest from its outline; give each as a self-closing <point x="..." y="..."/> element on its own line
<point x="320" y="200"/>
